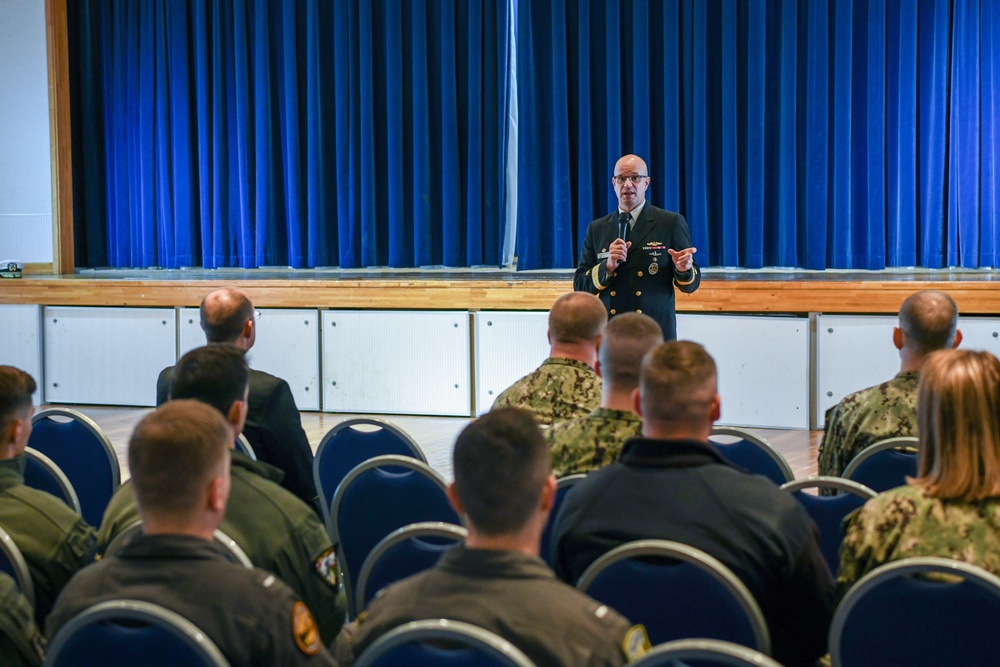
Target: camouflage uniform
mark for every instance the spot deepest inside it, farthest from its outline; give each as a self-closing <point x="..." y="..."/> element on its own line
<point x="558" y="390"/>
<point x="588" y="443"/>
<point x="21" y="642"/>
<point x="887" y="410"/>
<point x="903" y="523"/>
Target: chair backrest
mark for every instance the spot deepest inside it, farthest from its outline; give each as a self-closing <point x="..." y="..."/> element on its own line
<point x="243" y="445"/>
<point x="751" y="452"/>
<point x="403" y="553"/>
<point x="131" y="632"/>
<point x="829" y="511"/>
<point x="884" y="465"/>
<point x="351" y="443"/>
<point x="677" y="592"/>
<point x="704" y="653"/>
<point x="40" y="472"/>
<point x="563" y="486"/>
<point x="374" y="499"/>
<point x="78" y="446"/>
<point x="131" y="531"/>
<point x="13" y="563"/>
<point x="443" y="643"/>
<point x="895" y="615"/>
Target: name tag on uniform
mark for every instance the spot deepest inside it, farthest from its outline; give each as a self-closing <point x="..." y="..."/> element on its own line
<point x="603" y="255"/>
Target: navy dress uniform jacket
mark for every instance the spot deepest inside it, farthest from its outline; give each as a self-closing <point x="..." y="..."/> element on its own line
<point x="645" y="282"/>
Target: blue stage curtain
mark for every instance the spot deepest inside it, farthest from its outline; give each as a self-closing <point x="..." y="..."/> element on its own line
<point x="854" y="134"/>
<point x="297" y="133"/>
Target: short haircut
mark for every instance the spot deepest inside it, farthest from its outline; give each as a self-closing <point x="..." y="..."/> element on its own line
<point x="174" y="453"/>
<point x="213" y="374"/>
<point x="929" y="320"/>
<point x="627" y="339"/>
<point x="16" y="388"/>
<point x="224" y="312"/>
<point x="500" y="462"/>
<point x="957" y="421"/>
<point x="677" y="383"/>
<point x="577" y="317"/>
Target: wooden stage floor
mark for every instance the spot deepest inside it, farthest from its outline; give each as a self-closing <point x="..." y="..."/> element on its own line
<point x="729" y="291"/>
<point x="435" y="435"/>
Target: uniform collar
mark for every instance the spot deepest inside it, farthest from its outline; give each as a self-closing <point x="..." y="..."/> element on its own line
<point x="265" y="470"/>
<point x="634" y="213"/>
<point x="12" y="472"/>
<point x="494" y="563"/>
<point x="617" y="415"/>
<point x="171" y="546"/>
<point x="650" y="453"/>
<point x="562" y="361"/>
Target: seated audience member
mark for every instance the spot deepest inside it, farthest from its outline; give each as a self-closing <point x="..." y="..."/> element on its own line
<point x="504" y="493"/>
<point x="273" y="426"/>
<point x="54" y="540"/>
<point x="277" y="531"/>
<point x="565" y="385"/>
<point x="21" y="642"/>
<point x="179" y="459"/>
<point x="587" y="443"/>
<point x="952" y="508"/>
<point x="671" y="484"/>
<point x="928" y="321"/>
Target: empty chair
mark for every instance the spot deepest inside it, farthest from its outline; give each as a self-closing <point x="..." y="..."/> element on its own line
<point x="351" y="443"/>
<point x="751" y="452"/>
<point x="78" y="446"/>
<point x="41" y="473"/>
<point x="130" y="632"/>
<point x="677" y="592"/>
<point x="885" y="465"/>
<point x="13" y="563"/>
<point x="131" y="531"/>
<point x="243" y="445"/>
<point x="443" y="643"/>
<point x="403" y="553"/>
<point x="829" y="511"/>
<point x="896" y="615"/>
<point x="374" y="499"/>
<point x="704" y="653"/>
<point x="563" y="486"/>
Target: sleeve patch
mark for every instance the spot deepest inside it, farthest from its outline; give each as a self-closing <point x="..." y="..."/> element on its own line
<point x="326" y="566"/>
<point x="304" y="629"/>
<point x="636" y="643"/>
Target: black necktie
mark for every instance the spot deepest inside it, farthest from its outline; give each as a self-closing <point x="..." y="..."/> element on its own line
<point x="623" y="224"/>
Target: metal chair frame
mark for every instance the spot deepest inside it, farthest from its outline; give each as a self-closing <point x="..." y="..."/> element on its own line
<point x="693" y="556"/>
<point x="899" y="444"/>
<point x="762" y="443"/>
<point x="21" y="574"/>
<point x="243" y="445"/>
<point x="713" y="652"/>
<point x="413" y="531"/>
<point x="129" y="532"/>
<point x="443" y="630"/>
<point x="57" y="475"/>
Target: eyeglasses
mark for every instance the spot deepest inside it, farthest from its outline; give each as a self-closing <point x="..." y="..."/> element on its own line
<point x="256" y="314"/>
<point x="635" y="178"/>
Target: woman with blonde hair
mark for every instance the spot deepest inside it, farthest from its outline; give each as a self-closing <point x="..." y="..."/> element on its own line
<point x="951" y="508"/>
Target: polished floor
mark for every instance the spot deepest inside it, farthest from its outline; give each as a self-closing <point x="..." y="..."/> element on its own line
<point x="435" y="435"/>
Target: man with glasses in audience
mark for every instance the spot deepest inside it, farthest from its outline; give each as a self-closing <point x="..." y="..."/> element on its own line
<point x="274" y="426"/>
<point x="632" y="258"/>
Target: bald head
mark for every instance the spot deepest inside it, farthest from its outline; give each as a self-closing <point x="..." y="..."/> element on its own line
<point x="631" y="164"/>
<point x="575" y="318"/>
<point x="627" y="339"/>
<point x="928" y="320"/>
<point x="225" y="314"/>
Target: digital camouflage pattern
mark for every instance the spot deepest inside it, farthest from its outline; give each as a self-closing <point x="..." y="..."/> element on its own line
<point x="887" y="410"/>
<point x="903" y="523"/>
<point x="558" y="390"/>
<point x="21" y="642"/>
<point x="588" y="443"/>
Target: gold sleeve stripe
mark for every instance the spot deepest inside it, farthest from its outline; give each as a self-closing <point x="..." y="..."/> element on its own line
<point x="595" y="276"/>
<point x="694" y="274"/>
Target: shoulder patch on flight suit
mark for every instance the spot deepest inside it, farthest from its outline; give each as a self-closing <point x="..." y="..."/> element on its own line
<point x="326" y="566"/>
<point x="636" y="643"/>
<point x="304" y="629"/>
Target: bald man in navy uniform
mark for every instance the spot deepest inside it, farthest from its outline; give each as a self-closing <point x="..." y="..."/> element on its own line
<point x="632" y="258"/>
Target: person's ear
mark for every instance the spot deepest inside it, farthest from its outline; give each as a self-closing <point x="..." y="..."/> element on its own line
<point x="455" y="501"/>
<point x="237" y="415"/>
<point x="958" y="339"/>
<point x="217" y="494"/>
<point x="897" y="338"/>
<point x="716" y="409"/>
<point x="637" y="401"/>
<point x="548" y="498"/>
